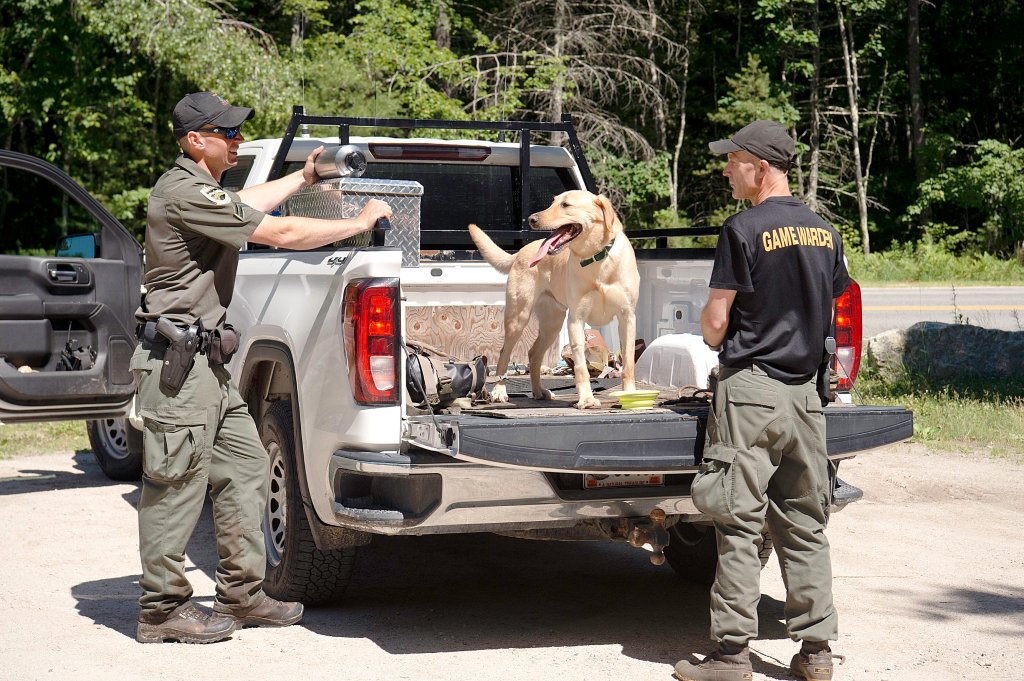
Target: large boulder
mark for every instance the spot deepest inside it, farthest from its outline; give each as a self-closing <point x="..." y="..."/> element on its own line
<point x="947" y="351"/>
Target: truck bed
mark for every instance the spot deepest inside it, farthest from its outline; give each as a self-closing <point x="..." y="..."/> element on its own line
<point x="554" y="436"/>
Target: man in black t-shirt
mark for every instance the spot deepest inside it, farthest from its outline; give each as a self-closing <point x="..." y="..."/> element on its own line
<point x="778" y="269"/>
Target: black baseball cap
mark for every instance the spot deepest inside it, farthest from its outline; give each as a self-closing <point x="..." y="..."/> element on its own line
<point x="765" y="139"/>
<point x="201" y="108"/>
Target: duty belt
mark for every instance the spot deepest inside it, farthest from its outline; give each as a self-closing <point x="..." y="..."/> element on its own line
<point x="219" y="344"/>
<point x="152" y="339"/>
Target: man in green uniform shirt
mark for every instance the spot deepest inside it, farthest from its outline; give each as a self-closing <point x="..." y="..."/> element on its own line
<point x="778" y="268"/>
<point x="199" y="432"/>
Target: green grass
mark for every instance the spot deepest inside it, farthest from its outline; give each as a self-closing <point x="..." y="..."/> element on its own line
<point x="932" y="265"/>
<point x="41" y="438"/>
<point x="968" y="414"/>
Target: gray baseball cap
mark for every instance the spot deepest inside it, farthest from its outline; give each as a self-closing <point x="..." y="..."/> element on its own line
<point x="764" y="139"/>
<point x="201" y="108"/>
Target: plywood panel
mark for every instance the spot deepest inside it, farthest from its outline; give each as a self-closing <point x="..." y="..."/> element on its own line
<point x="465" y="331"/>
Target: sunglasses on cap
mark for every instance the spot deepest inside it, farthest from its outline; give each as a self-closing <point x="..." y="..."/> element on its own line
<point x="229" y="133"/>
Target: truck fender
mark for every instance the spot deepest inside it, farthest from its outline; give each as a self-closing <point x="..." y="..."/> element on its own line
<point x="268" y="371"/>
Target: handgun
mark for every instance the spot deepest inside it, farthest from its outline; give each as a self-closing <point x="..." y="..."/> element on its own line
<point x="180" y="355"/>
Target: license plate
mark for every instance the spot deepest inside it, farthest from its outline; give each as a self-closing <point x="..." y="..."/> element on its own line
<point x="596" y="480"/>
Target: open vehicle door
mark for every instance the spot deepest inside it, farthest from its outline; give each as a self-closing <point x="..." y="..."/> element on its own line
<point x="67" y="320"/>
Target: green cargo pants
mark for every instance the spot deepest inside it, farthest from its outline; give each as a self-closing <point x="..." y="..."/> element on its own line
<point x="765" y="460"/>
<point x="202" y="435"/>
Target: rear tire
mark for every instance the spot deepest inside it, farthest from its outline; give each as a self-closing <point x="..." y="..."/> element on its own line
<point x="693" y="551"/>
<point x="117" y="447"/>
<point x="296" y="569"/>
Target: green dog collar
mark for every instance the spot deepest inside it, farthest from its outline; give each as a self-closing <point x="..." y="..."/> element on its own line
<point x="600" y="255"/>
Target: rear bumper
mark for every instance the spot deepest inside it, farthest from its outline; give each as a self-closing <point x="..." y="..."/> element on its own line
<point x="426" y="493"/>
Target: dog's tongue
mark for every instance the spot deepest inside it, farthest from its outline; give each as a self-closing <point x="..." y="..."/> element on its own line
<point x="542" y="251"/>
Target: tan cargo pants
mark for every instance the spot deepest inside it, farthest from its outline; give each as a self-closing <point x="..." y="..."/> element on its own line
<point x="201" y="435"/>
<point x="765" y="461"/>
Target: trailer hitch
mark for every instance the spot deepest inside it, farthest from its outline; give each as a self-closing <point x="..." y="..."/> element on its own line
<point x="648" y="534"/>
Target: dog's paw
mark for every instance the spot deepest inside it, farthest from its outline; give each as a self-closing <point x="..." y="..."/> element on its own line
<point x="544" y="395"/>
<point x="498" y="393"/>
<point x="588" y="403"/>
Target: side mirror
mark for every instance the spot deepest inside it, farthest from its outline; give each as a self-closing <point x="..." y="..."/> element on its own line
<point x="78" y="246"/>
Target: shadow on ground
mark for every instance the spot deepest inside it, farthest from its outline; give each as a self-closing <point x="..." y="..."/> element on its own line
<point x="414" y="595"/>
<point x="453" y="593"/>
<point x="87" y="473"/>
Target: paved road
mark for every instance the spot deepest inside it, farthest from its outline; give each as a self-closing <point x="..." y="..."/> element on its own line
<point x="993" y="307"/>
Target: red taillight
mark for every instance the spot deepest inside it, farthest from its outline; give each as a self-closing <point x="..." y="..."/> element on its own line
<point x="371" y="317"/>
<point x="848" y="335"/>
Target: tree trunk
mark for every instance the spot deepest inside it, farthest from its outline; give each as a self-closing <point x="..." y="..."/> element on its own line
<point x="814" y="141"/>
<point x="850" y="66"/>
<point x="660" y="116"/>
<point x="685" y="67"/>
<point x="562" y="24"/>
<point x="297" y="30"/>
<point x="443" y="30"/>
<point x="916" y="112"/>
<point x="914" y="75"/>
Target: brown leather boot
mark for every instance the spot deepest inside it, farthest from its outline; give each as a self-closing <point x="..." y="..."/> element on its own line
<point x="717" y="667"/>
<point x="269" y="613"/>
<point x="186" y="624"/>
<point x="814" y="666"/>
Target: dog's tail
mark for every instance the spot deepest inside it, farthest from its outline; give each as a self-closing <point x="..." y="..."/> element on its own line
<point x="498" y="258"/>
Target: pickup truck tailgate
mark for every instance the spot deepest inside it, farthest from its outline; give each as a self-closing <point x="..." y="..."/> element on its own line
<point x="643" y="441"/>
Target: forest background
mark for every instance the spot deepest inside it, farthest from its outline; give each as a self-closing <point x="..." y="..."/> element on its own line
<point x="907" y="112"/>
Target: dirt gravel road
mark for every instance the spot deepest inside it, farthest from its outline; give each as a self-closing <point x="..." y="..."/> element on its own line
<point x="929" y="582"/>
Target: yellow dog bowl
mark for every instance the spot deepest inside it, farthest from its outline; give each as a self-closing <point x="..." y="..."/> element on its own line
<point x="636" y="399"/>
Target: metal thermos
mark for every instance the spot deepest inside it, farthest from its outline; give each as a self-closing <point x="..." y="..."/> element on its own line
<point x="340" y="161"/>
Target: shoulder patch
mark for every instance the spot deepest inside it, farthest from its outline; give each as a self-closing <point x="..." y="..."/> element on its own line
<point x="215" y="195"/>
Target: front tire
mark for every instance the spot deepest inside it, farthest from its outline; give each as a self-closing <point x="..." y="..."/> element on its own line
<point x="117" y="447"/>
<point x="692" y="551"/>
<point x="296" y="569"/>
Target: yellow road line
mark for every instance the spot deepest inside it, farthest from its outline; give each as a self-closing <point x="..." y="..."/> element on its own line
<point x="944" y="308"/>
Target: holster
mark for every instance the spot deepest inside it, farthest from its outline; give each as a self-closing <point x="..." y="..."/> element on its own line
<point x="825" y="371"/>
<point x="180" y="354"/>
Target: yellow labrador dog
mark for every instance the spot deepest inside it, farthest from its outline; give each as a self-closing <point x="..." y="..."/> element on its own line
<point x="586" y="266"/>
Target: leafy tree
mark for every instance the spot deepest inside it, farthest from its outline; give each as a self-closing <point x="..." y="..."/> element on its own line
<point x="632" y="186"/>
<point x="598" y="54"/>
<point x="199" y="43"/>
<point x="71" y="99"/>
<point x="988" y="190"/>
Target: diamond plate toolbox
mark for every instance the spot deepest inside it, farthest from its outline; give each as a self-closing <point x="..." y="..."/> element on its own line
<point x="345" y="198"/>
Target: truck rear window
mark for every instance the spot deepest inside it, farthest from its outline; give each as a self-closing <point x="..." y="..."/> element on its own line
<point x="455" y="195"/>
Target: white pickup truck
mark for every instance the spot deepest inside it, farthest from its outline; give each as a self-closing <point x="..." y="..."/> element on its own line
<point x="322" y="362"/>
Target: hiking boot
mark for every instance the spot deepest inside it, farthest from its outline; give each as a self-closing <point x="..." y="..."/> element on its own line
<point x="269" y="613"/>
<point x="814" y="666"/>
<point x="186" y="624"/>
<point x="717" y="667"/>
